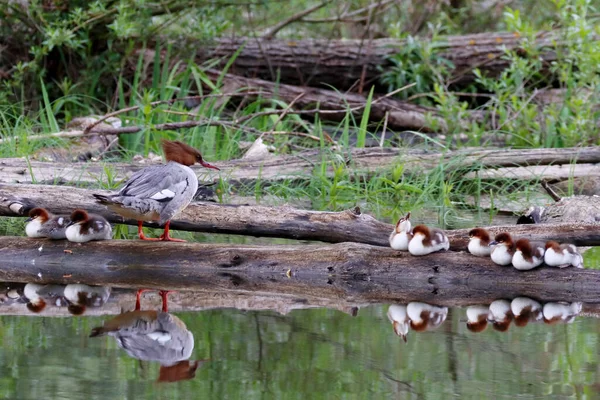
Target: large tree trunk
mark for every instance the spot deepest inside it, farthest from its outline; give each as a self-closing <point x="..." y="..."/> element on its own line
<point x="282" y="222"/>
<point x="362" y="161"/>
<point x="345" y="63"/>
<point x="356" y="272"/>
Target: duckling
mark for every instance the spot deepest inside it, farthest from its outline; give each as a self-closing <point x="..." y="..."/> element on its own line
<point x="85" y="227"/>
<point x="561" y="312"/>
<point x="38" y="296"/>
<point x="426" y="241"/>
<point x="477" y="318"/>
<point x="524" y="310"/>
<point x="81" y="296"/>
<point x="503" y="250"/>
<point x="401" y="234"/>
<point x="528" y="255"/>
<point x="424" y="316"/>
<point x="399" y="318"/>
<point x="500" y="315"/>
<point x="43" y="224"/>
<point x="479" y="242"/>
<point x="562" y="255"/>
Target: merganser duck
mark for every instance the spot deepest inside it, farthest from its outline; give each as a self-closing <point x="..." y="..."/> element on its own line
<point x="525" y="309"/>
<point x="85" y="227"/>
<point x="154" y="336"/>
<point x="38" y="296"/>
<point x="81" y="296"/>
<point x="562" y="255"/>
<point x="159" y="192"/>
<point x="399" y="318"/>
<point x="479" y="242"/>
<point x="43" y="224"/>
<point x="424" y="316"/>
<point x="477" y="318"/>
<point x="426" y="241"/>
<point x="401" y="235"/>
<point x="528" y="255"/>
<point x="500" y="315"/>
<point x="561" y="312"/>
<point x="503" y="250"/>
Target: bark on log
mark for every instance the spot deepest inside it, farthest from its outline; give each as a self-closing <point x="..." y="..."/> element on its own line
<point x="344" y="63"/>
<point x="301" y="165"/>
<point x="282" y="222"/>
<point x="355" y="272"/>
<point x="401" y="115"/>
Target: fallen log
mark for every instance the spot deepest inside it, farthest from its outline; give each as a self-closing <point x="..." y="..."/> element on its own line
<point x="276" y="300"/>
<point x="350" y="271"/>
<point x="302" y="165"/>
<point x="344" y="63"/>
<point x="282" y="222"/>
<point x="333" y="105"/>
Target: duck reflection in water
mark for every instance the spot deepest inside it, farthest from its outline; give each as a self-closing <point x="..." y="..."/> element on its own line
<point x="523" y="310"/>
<point x="151" y="335"/>
<point x="417" y="316"/>
<point x="477" y="318"/>
<point x="81" y="296"/>
<point x="561" y="312"/>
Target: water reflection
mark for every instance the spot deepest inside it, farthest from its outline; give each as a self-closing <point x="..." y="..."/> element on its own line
<point x="500" y="313"/>
<point x="154" y="336"/>
<point x="307" y="353"/>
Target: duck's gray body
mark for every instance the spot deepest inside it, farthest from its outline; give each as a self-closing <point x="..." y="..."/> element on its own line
<point x="155" y="193"/>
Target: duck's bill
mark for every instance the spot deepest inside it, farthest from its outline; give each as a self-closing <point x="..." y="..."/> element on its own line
<point x="28" y="220"/>
<point x="207" y="165"/>
<point x="493" y="243"/>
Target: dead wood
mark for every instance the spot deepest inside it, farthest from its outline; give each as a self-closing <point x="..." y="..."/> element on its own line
<point x="333" y="105"/>
<point x="282" y="222"/>
<point x="541" y="163"/>
<point x="343" y="63"/>
<point x="350" y="271"/>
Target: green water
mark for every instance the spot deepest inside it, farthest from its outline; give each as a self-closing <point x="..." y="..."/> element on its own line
<point x="316" y="354"/>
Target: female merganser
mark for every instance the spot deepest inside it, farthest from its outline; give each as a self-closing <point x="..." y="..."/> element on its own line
<point x="525" y="309"/>
<point x="401" y="235"/>
<point x="399" y="318"/>
<point x="477" y="318"/>
<point x="426" y="241"/>
<point x="154" y="336"/>
<point x="81" y="296"/>
<point x="43" y="224"/>
<point x="500" y="315"/>
<point x="159" y="192"/>
<point x="562" y="255"/>
<point x="479" y="242"/>
<point x="504" y="249"/>
<point x="528" y="255"/>
<point x="561" y="312"/>
<point x="85" y="227"/>
<point x="424" y="316"/>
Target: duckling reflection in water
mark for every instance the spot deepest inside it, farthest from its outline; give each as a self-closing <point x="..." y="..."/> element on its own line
<point x="525" y="310"/>
<point x="81" y="296"/>
<point x="154" y="336"/>
<point x="500" y="315"/>
<point x="561" y="312"/>
<point x="418" y="316"/>
<point x="477" y="318"/>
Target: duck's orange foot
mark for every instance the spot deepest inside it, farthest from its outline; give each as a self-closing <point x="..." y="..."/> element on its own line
<point x="164" y="294"/>
<point x="166" y="237"/>
<point x="138" y="295"/>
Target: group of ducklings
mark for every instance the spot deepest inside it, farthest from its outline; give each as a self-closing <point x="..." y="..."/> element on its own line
<point x="79" y="227"/>
<point x="523" y="254"/>
<point x="500" y="313"/>
<point x="76" y="297"/>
